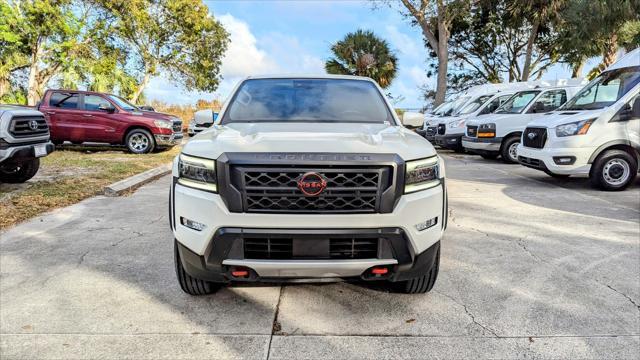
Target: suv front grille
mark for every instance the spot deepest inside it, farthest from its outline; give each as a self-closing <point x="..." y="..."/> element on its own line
<point x="534" y="137"/>
<point x="177" y="126"/>
<point x="24" y="126"/>
<point x="275" y="189"/>
<point x="325" y="248"/>
<point x="442" y="128"/>
<point x="472" y="131"/>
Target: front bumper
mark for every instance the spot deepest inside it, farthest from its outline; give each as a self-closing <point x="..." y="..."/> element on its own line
<point x="449" y="141"/>
<point x="169" y="140"/>
<point x="225" y="253"/>
<point x="482" y="144"/>
<point x="545" y="159"/>
<point x="25" y="151"/>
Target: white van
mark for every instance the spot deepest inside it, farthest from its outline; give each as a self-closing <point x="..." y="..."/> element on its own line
<point x="499" y="134"/>
<point x="596" y="133"/>
<point x="449" y="131"/>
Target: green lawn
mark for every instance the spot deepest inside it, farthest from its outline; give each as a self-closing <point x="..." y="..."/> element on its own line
<point x="71" y="174"/>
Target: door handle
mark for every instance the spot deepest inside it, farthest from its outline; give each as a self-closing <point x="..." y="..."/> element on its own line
<point x="87" y="115"/>
<point x="51" y="112"/>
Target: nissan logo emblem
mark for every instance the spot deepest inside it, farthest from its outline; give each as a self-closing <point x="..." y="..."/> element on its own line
<point x="312" y="184"/>
<point x="33" y="125"/>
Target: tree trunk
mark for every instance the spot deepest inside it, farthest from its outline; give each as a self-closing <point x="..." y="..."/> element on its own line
<point x="4" y="87"/>
<point x="443" y="56"/>
<point x="32" y="84"/>
<point x="529" y="53"/>
<point x="141" y="87"/>
<point x="610" y="52"/>
<point x="576" y="69"/>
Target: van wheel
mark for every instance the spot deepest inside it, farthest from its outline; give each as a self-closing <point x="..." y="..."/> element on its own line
<point x="422" y="284"/>
<point x="613" y="170"/>
<point x="189" y="284"/>
<point x="19" y="171"/>
<point x="508" y="151"/>
<point x="139" y="141"/>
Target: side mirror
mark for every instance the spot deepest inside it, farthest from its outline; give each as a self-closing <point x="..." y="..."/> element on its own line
<point x="413" y="119"/>
<point x="538" y="107"/>
<point x="204" y="117"/>
<point x="106" y="107"/>
<point x="627" y="112"/>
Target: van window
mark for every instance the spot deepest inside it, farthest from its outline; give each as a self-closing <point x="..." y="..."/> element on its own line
<point x="605" y="90"/>
<point x="518" y="102"/>
<point x="494" y="104"/>
<point x="552" y="99"/>
<point x="474" y="105"/>
<point x="64" y="100"/>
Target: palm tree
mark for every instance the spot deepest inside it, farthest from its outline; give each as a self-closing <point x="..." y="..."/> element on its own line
<point x="362" y="53"/>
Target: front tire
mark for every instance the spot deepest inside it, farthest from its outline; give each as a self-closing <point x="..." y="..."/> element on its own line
<point x="508" y="151"/>
<point x="613" y="170"/>
<point x="19" y="171"/>
<point x="189" y="284"/>
<point x="422" y="284"/>
<point x="140" y="141"/>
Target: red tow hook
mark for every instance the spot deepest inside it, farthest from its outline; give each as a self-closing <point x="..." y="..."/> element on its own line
<point x="240" y="272"/>
<point x="378" y="270"/>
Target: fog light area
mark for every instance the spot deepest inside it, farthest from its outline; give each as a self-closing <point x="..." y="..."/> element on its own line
<point x="426" y="224"/>
<point x="192" y="224"/>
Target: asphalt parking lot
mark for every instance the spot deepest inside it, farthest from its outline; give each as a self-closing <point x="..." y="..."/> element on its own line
<point x="532" y="267"/>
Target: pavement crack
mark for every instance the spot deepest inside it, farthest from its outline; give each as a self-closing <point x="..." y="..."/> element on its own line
<point x="520" y="242"/>
<point x="625" y="295"/>
<point x="470" y="315"/>
<point x="81" y="260"/>
<point x="276" y="327"/>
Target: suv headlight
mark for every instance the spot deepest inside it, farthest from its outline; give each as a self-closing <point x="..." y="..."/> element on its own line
<point x="421" y="175"/>
<point x="457" y="124"/>
<point x="197" y="173"/>
<point x="164" y="124"/>
<point x="574" y="128"/>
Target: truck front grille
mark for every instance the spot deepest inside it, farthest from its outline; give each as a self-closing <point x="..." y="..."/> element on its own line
<point x="534" y="137"/>
<point x="442" y="128"/>
<point x="24" y="126"/>
<point x="472" y="130"/>
<point x="275" y="189"/>
<point x="323" y="248"/>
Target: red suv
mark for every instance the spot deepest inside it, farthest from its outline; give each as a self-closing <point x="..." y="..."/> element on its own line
<point x="85" y="116"/>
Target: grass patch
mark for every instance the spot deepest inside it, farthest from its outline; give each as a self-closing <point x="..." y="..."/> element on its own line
<point x="70" y="175"/>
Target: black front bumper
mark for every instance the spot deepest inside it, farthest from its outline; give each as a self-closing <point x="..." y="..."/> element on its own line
<point x="532" y="163"/>
<point x="228" y="243"/>
<point x="23" y="151"/>
<point x="449" y="141"/>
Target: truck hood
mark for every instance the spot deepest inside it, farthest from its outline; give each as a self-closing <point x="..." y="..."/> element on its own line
<point x="491" y="118"/>
<point x="153" y="115"/>
<point x="555" y="118"/>
<point x="309" y="138"/>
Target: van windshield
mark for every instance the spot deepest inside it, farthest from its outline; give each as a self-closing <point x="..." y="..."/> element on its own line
<point x="456" y="105"/>
<point x="307" y="100"/>
<point x="517" y="102"/>
<point x="474" y="105"/>
<point x="605" y="90"/>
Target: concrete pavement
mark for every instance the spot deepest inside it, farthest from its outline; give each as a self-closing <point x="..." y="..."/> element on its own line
<point x="531" y="267"/>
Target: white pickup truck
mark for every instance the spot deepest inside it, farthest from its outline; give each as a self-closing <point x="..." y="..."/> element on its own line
<point x="597" y="133"/>
<point x="24" y="139"/>
<point x="308" y="179"/>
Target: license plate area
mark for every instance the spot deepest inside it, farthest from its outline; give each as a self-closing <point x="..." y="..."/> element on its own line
<point x="40" y="150"/>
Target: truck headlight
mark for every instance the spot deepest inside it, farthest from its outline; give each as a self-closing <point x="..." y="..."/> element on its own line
<point x="456" y="124"/>
<point x="574" y="128"/>
<point x="487" y="130"/>
<point x="421" y="175"/>
<point x="163" y="124"/>
<point x="197" y="173"/>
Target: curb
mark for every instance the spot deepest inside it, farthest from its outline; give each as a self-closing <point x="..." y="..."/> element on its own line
<point x="135" y="181"/>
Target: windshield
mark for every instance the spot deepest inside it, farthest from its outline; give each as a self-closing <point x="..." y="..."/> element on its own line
<point x="456" y="104"/>
<point x="474" y="105"/>
<point x="124" y="104"/>
<point x="437" y="109"/>
<point x="605" y="90"/>
<point x="517" y="102"/>
<point x="443" y="108"/>
<point x="307" y="100"/>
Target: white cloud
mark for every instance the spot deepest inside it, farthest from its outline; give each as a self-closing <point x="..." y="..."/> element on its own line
<point x="409" y="47"/>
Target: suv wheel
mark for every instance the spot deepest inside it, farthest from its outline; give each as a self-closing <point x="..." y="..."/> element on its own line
<point x="422" y="284"/>
<point x="613" y="170"/>
<point x="509" y="150"/>
<point x="189" y="284"/>
<point x="19" y="172"/>
<point x="140" y="141"/>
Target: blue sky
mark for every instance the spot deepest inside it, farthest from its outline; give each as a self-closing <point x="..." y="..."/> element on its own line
<point x="270" y="37"/>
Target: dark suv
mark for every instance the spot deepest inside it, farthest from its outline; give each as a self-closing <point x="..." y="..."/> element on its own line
<point x="85" y="116"/>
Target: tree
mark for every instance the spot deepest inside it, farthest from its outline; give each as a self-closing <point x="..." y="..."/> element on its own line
<point x="177" y="37"/>
<point x="362" y="53"/>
